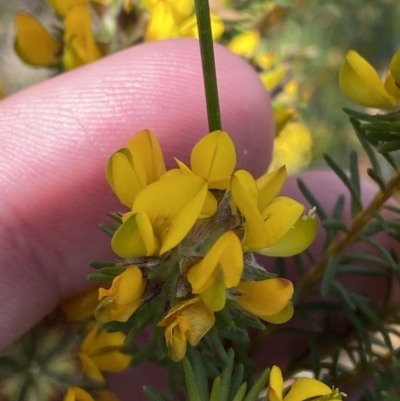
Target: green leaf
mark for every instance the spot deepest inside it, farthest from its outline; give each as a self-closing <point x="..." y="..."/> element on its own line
<point x="216" y="390"/>
<point x="153" y="395"/>
<point x="190" y="381"/>
<point x="236" y="381"/>
<point x="256" y="388"/>
<point x="198" y="367"/>
<point x="240" y="393"/>
<point x="329" y="275"/>
<point x="387" y="147"/>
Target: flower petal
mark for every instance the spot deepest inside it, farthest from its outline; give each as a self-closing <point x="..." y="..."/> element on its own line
<point x="225" y="255"/>
<point x="361" y="84"/>
<point x="214" y="156"/>
<point x="281" y="317"/>
<point x="269" y="185"/>
<point x="394" y="67"/>
<point x="275" y="390"/>
<point x="296" y="239"/>
<point x="162" y="24"/>
<point x="280" y="215"/>
<point x="172" y="204"/>
<point x="265" y="297"/>
<point x="124" y="179"/>
<point x="135" y="237"/>
<point x="77" y="394"/>
<point x="305" y="388"/>
<point x="33" y="44"/>
<point x="214" y="297"/>
<point x="145" y="146"/>
<point x="391" y="87"/>
<point x="245" y="44"/>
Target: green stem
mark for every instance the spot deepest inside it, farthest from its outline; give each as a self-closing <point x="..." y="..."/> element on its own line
<point x="208" y="64"/>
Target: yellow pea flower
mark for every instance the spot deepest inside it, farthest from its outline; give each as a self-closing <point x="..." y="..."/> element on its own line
<point x="123" y="298"/>
<point x="188" y="28"/>
<point x="81" y="307"/>
<point x="245" y="44"/>
<point x="220" y="269"/>
<point x="132" y="168"/>
<point x="188" y="321"/>
<point x="61" y="7"/>
<point x="359" y="81"/>
<point x="33" y="44"/>
<point x="267" y="218"/>
<point x="162" y="215"/>
<point x="267" y="299"/>
<point x="80" y="45"/>
<point x="100" y="351"/>
<point x="303" y="389"/>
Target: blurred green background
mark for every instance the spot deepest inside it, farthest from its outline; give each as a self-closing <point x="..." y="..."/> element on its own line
<point x="313" y="34"/>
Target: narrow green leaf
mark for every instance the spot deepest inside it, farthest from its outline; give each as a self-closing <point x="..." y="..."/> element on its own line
<point x="216" y="390"/>
<point x="190" y="380"/>
<point x="335" y="225"/>
<point x="100" y="265"/>
<point x="199" y="371"/>
<point x="236" y="382"/>
<point x="355" y="195"/>
<point x="329" y="275"/>
<point x="226" y="376"/>
<point x="391" y="146"/>
<point x="377" y="178"/>
<point x="312" y="200"/>
<point x="100" y="277"/>
<point x="258" y="386"/>
<point x="385" y="253"/>
<point x="153" y="395"/>
<point x="338" y="208"/>
<point x="107" y="229"/>
<point x="240" y="393"/>
<point x="346" y="296"/>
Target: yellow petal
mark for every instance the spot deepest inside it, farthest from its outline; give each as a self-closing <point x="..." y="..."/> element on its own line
<point x="61" y="7"/>
<point x="281" y="317"/>
<point x="272" y="78"/>
<point x="146" y="146"/>
<point x="255" y="234"/>
<point x="80" y="47"/>
<point x="280" y="216"/>
<point x="394" y="67"/>
<point x="188" y="28"/>
<point x="361" y="84"/>
<point x="81" y="307"/>
<point x="172" y="204"/>
<point x="103" y="348"/>
<point x="77" y="394"/>
<point x="33" y="44"/>
<point x="296" y="239"/>
<point x="89" y="368"/>
<point x="123" y="298"/>
<point x="269" y="185"/>
<point x="305" y="388"/>
<point x="245" y="44"/>
<point x="210" y="206"/>
<point x="176" y="340"/>
<point x="214" y="296"/>
<point x="162" y="24"/>
<point x="225" y="255"/>
<point x="275" y="390"/>
<point x="124" y="179"/>
<point x="214" y="156"/>
<point x="391" y="87"/>
<point x="265" y="297"/>
<point x="135" y="237"/>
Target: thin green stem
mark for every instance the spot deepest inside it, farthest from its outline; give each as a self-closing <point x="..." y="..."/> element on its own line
<point x="208" y="64"/>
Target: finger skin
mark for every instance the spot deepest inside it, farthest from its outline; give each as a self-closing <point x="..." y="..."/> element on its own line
<point x="56" y="138"/>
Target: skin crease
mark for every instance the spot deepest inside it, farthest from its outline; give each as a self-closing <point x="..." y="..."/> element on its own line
<point x="55" y="140"/>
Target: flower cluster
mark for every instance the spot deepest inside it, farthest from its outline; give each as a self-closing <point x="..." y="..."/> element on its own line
<point x="63" y="357"/>
<point x="360" y="82"/>
<point x="188" y="238"/>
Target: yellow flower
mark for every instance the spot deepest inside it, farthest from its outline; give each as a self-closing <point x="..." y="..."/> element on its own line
<point x="220" y="269"/>
<point x="77" y="394"/>
<point x="360" y="82"/>
<point x="33" y="44"/>
<point x="162" y="215"/>
<point x="61" y="7"/>
<point x="101" y="351"/>
<point x="37" y="47"/>
<point x="170" y="19"/>
<point x="268" y="219"/>
<point x="123" y="298"/>
<point x="303" y="389"/>
<point x="267" y="299"/>
<point x="132" y="168"/>
<point x="245" y="44"/>
<point x="81" y="307"/>
<point x="188" y="321"/>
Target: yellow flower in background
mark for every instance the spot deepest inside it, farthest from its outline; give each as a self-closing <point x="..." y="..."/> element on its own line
<point x="37" y="47"/>
<point x="132" y="168"/>
<point x="292" y="146"/>
<point x="62" y="7"/>
<point x="101" y="351"/>
<point x="75" y="393"/>
<point x="81" y="307"/>
<point x="360" y="82"/>
<point x="188" y="321"/>
<point x="34" y="44"/>
<point x="123" y="298"/>
<point x="170" y="19"/>
<point x="245" y="44"/>
<point x="221" y="268"/>
<point x="269" y="300"/>
<point x="303" y="389"/>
